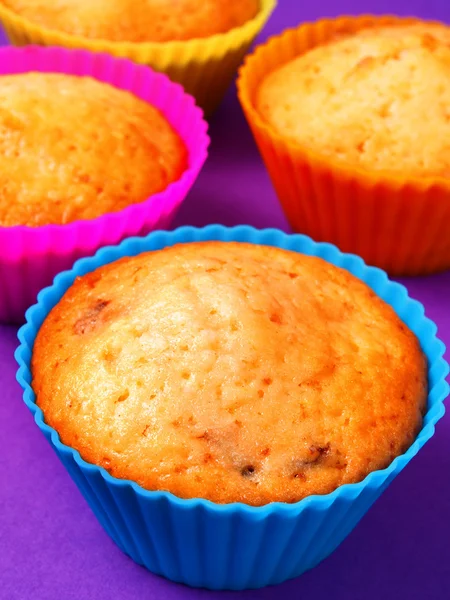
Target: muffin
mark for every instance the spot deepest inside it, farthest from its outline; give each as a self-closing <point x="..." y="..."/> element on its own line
<point x="231" y="372"/>
<point x="364" y="100"/>
<point x="347" y="106"/>
<point x="137" y="20"/>
<point x="75" y="148"/>
<point x="198" y="44"/>
<point x="194" y="541"/>
<point x="94" y="149"/>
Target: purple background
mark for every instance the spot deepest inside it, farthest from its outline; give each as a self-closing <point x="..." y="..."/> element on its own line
<point x="51" y="546"/>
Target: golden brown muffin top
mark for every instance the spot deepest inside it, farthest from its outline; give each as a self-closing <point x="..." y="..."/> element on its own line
<point x="137" y="20"/>
<point x="231" y="372"/>
<point x="75" y="148"/>
<point x="378" y="99"/>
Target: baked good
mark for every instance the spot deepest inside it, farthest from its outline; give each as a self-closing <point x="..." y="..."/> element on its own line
<point x="376" y="99"/>
<point x="137" y="20"/>
<point x="75" y="148"/>
<point x="231" y="372"/>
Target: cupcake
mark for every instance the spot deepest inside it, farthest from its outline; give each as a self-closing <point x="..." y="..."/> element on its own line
<point x="142" y="21"/>
<point x="76" y="148"/>
<point x="93" y="149"/>
<point x="199" y="44"/>
<point x="230" y="410"/>
<point x="341" y="113"/>
<point x="168" y="368"/>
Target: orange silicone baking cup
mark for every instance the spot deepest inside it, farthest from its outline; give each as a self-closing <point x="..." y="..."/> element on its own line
<point x="401" y="224"/>
<point x="203" y="66"/>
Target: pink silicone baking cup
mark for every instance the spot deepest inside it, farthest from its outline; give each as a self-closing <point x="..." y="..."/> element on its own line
<point x="31" y="256"/>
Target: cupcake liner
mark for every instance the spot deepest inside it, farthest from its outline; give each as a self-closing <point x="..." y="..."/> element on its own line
<point x="31" y="256"/>
<point x="204" y="66"/>
<point x="231" y="546"/>
<point x="399" y="224"/>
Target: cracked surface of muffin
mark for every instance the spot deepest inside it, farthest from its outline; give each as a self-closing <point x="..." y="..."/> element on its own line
<point x="231" y="372"/>
<point x="137" y="20"/>
<point x="377" y="99"/>
<point x="75" y="148"/>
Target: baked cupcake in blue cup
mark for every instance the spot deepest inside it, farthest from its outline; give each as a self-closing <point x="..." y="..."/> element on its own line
<point x="232" y="405"/>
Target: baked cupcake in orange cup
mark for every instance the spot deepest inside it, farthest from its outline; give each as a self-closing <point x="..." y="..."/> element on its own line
<point x="198" y="44"/>
<point x="351" y="118"/>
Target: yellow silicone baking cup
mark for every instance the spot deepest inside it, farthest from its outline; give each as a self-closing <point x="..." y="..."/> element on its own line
<point x="204" y="66"/>
<point x="401" y="224"/>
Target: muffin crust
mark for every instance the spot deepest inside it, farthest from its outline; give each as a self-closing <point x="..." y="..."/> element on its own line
<point x="137" y="20"/>
<point x="74" y="148"/>
<point x="231" y="372"/>
<point x="377" y="99"/>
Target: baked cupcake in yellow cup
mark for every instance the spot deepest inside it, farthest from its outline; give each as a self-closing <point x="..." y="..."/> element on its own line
<point x="351" y="117"/>
<point x="198" y="44"/>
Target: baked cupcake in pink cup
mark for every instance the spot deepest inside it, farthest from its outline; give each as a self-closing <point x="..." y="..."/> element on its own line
<point x="94" y="149"/>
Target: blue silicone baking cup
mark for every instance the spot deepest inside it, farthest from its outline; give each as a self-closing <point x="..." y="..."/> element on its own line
<point x="232" y="546"/>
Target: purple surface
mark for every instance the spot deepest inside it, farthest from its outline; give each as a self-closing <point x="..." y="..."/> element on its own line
<point x="51" y="544"/>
